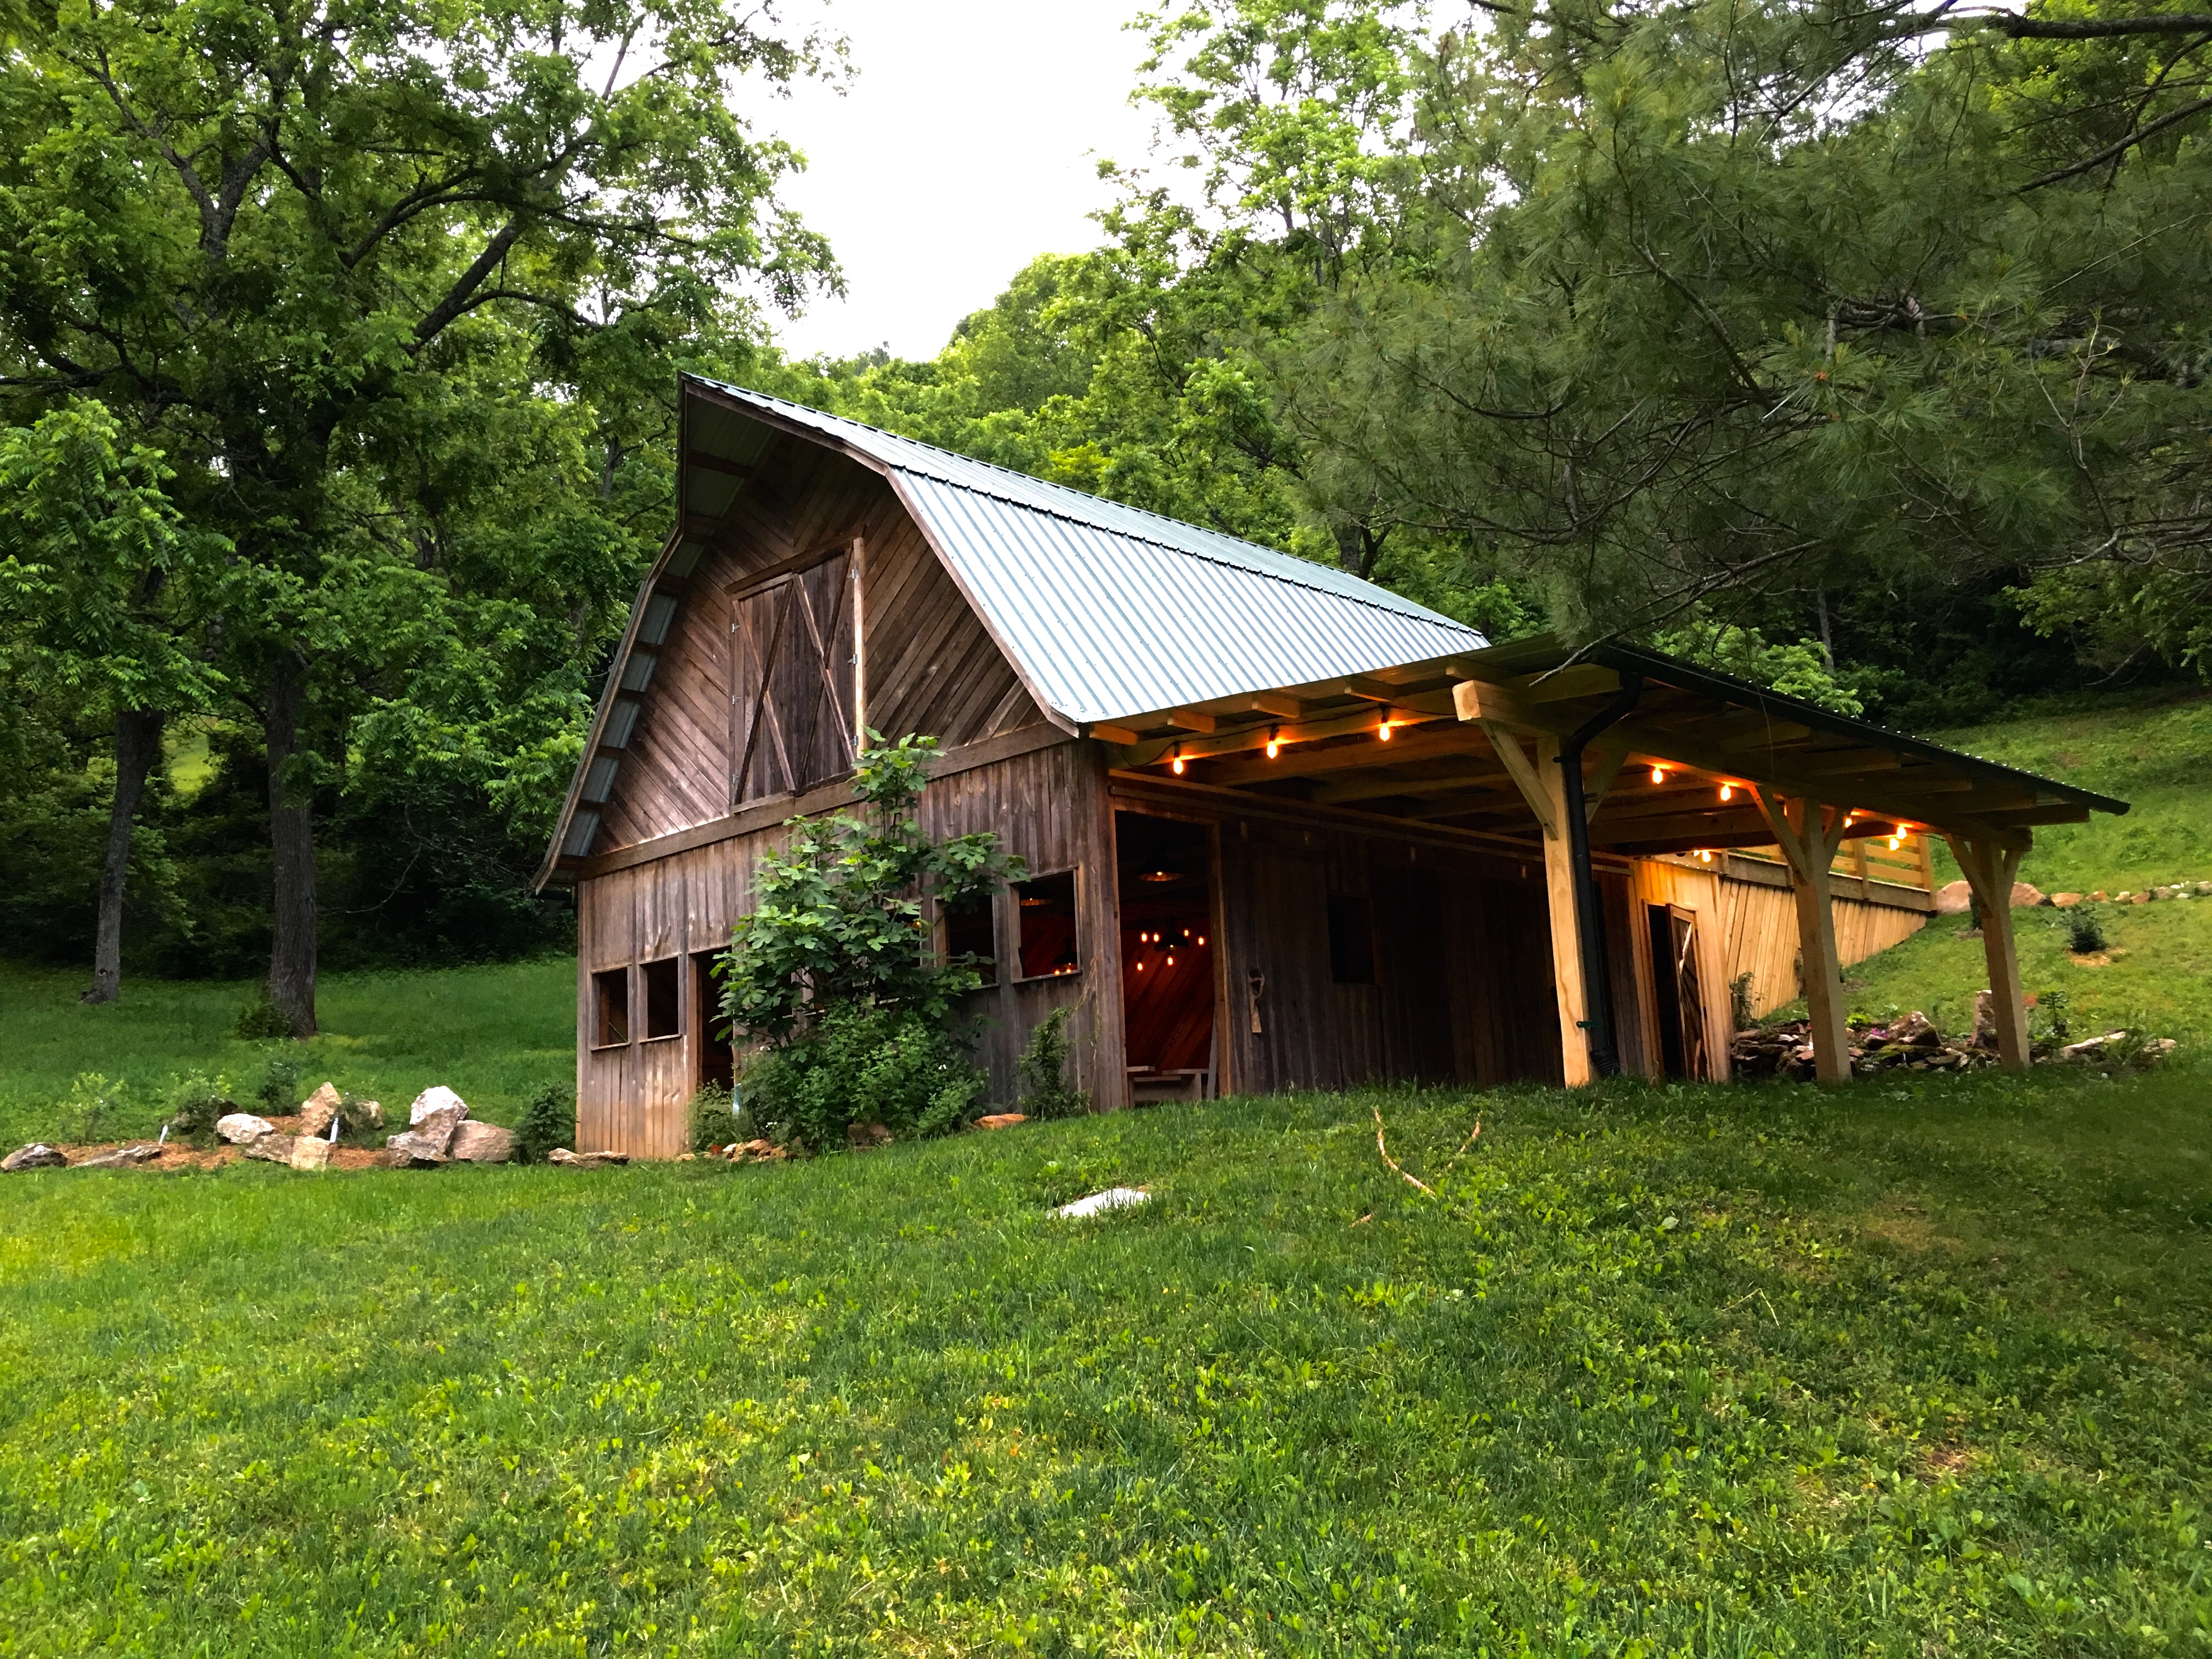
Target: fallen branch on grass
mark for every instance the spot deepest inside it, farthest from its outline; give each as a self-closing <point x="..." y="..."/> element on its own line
<point x="1416" y="1180"/>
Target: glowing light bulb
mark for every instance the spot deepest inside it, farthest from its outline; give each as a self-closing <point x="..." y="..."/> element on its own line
<point x="1385" y="733"/>
<point x="1177" y="760"/>
<point x="1202" y="938"/>
<point x="1728" y="792"/>
<point x="1140" y="967"/>
<point x="1658" y="775"/>
<point x="1170" y="958"/>
<point x="1274" y="742"/>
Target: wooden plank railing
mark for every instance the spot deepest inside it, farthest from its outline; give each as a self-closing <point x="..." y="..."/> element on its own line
<point x="1870" y="858"/>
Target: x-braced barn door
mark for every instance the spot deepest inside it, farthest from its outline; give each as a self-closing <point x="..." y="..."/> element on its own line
<point x="791" y="707"/>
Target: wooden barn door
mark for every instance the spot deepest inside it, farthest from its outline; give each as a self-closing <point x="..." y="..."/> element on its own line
<point x="792" y="708"/>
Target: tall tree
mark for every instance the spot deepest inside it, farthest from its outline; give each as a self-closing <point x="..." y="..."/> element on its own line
<point x="265" y="230"/>
<point x="102" y="593"/>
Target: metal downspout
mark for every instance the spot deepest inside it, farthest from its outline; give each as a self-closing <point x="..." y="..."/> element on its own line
<point x="1590" y="915"/>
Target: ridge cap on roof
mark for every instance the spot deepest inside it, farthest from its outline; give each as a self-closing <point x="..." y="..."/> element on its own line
<point x="1386" y="601"/>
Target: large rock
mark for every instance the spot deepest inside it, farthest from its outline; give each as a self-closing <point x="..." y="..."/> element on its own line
<point x="120" y="1158"/>
<point x="477" y="1142"/>
<point x="368" y="1113"/>
<point x="410" y="1150"/>
<point x="273" y="1147"/>
<point x="243" y="1128"/>
<point x="36" y="1156"/>
<point x="436" y="1129"/>
<point x="1953" y="899"/>
<point x="319" y="1109"/>
<point x="435" y="1099"/>
<point x="311" y="1152"/>
<point x="2026" y="895"/>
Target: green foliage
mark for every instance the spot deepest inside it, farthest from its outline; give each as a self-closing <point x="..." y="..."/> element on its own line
<point x="1796" y="670"/>
<point x="1920" y="1338"/>
<point x="195" y="1105"/>
<point x="2085" y="934"/>
<point x="862" y="1063"/>
<point x="709" y="1118"/>
<point x="548" y="1121"/>
<point x="1046" y="1091"/>
<point x="93" y="1110"/>
<point x="278" y="1091"/>
<point x="260" y="1021"/>
<point x="839" y="919"/>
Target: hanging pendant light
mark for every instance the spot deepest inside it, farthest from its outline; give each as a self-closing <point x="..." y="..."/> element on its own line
<point x="1176" y="760"/>
<point x="1274" y="741"/>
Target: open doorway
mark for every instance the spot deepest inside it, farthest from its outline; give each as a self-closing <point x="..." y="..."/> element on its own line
<point x="710" y="1032"/>
<point x="1164" y="881"/>
<point x="1677" y="993"/>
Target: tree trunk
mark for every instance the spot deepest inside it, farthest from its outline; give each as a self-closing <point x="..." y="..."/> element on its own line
<point x="138" y="745"/>
<point x="292" y="839"/>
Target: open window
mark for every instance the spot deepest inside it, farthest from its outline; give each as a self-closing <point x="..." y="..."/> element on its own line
<point x="611" y="1008"/>
<point x="792" y="679"/>
<point x="1170" y="967"/>
<point x="663" y="999"/>
<point x="717" y="1061"/>
<point x="1351" y="940"/>
<point x="1046" y="907"/>
<point x="972" y="930"/>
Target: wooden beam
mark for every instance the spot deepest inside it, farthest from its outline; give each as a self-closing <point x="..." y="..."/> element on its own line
<point x="1586" y="679"/>
<point x="1808" y="845"/>
<point x="1548" y="799"/>
<point x="1113" y="734"/>
<point x="1380" y="785"/>
<point x="1300" y="758"/>
<point x="1693" y="829"/>
<point x="717" y="464"/>
<point x="1611" y="752"/>
<point x="1991" y="869"/>
<point x="1191" y="720"/>
<point x="1275" y="703"/>
<point x="1531" y="781"/>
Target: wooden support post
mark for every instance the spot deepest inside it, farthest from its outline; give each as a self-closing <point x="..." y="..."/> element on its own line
<point x="1809" y="847"/>
<point x="1991" y="869"/>
<point x="1544" y="786"/>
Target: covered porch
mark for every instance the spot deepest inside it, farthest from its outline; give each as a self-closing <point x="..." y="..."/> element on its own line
<point x="1576" y="757"/>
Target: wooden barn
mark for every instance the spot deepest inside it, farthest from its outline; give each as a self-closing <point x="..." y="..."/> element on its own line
<point x="1284" y="829"/>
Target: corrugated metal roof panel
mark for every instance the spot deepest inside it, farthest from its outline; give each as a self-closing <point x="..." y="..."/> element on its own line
<point x="1115" y="611"/>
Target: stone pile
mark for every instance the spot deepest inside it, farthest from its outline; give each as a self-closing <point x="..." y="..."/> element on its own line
<point x="440" y="1131"/>
<point x="749" y="1151"/>
<point x="569" y="1160"/>
<point x="1912" y="1044"/>
<point x="2178" y="890"/>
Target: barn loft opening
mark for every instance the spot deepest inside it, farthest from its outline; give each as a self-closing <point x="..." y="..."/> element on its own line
<point x="1164" y="876"/>
<point x="717" y="1060"/>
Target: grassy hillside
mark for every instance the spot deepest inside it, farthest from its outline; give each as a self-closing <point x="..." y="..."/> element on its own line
<point x="1909" y="1371"/>
<point x="2154" y="752"/>
<point x="495" y="1034"/>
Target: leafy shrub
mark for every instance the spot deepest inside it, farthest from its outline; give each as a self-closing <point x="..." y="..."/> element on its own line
<point x="278" y="1091"/>
<point x="836" y="972"/>
<point x="260" y="1022"/>
<point x="548" y="1121"/>
<point x="864" y="1064"/>
<point x="196" y="1102"/>
<point x="2085" y="934"/>
<point x="93" y="1103"/>
<point x="1046" y="1091"/>
<point x="710" y="1118"/>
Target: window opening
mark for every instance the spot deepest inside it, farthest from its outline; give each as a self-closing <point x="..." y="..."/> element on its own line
<point x="972" y="930"/>
<point x="663" y="1015"/>
<point x="717" y="1063"/>
<point x="611" y="1008"/>
<point x="1351" y="940"/>
<point x="1046" y="905"/>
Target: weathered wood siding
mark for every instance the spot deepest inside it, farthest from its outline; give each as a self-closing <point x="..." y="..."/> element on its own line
<point x="1047" y="805"/>
<point x="928" y="665"/>
<point x="1760" y="923"/>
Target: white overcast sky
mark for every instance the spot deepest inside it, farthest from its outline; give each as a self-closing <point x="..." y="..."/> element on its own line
<point x="965" y="145"/>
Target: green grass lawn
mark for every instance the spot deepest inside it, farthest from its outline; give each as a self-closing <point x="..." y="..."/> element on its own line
<point x="2155" y="753"/>
<point x="495" y="1034"/>
<point x="1917" y="1368"/>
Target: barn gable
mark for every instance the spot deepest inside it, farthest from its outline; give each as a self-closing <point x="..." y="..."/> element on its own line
<point x="825" y="577"/>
